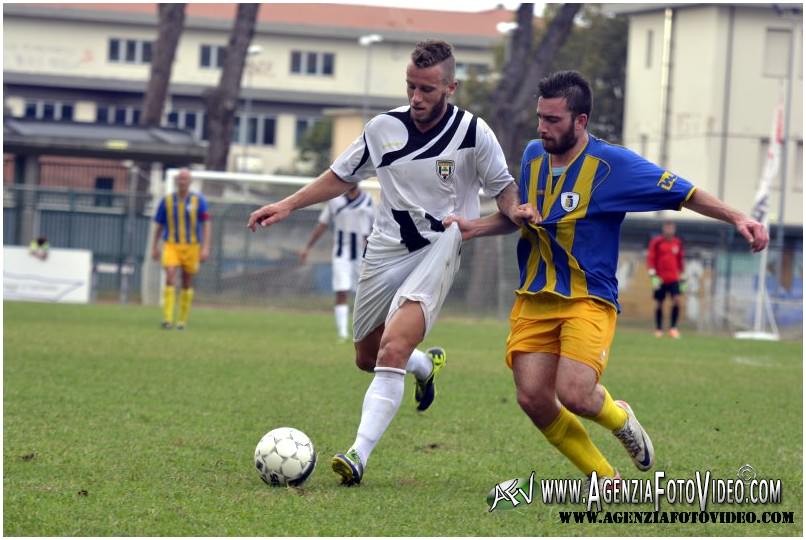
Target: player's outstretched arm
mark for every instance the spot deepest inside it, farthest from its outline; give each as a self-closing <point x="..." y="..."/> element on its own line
<point x="327" y="186"/>
<point x="494" y="224"/>
<point x="317" y="232"/>
<point x="706" y="204"/>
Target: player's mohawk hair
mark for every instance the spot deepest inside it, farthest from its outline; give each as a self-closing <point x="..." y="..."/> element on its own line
<point x="433" y="52"/>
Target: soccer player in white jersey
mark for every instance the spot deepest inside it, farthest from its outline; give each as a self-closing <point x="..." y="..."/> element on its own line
<point x="431" y="158"/>
<point x="352" y="215"/>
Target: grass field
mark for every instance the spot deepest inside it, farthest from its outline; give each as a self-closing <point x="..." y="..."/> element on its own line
<point x="114" y="427"/>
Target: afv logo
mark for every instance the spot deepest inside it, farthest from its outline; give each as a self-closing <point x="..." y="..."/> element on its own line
<point x="509" y="494"/>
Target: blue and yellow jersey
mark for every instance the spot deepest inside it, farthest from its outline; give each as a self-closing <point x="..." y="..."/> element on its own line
<point x="574" y="252"/>
<point x="182" y="219"/>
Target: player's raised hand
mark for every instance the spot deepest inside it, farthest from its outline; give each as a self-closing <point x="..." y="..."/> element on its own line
<point x="754" y="232"/>
<point x="267" y="215"/>
<point x="303" y="256"/>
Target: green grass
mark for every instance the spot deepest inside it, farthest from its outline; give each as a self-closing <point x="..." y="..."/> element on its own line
<point x="114" y="427"/>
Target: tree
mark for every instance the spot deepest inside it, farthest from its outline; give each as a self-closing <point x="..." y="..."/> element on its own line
<point x="314" y="147"/>
<point x="222" y="101"/>
<point x="597" y="48"/>
<point x="513" y="100"/>
<point x="171" y="24"/>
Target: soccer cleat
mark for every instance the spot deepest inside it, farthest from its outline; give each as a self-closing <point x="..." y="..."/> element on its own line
<point x="635" y="440"/>
<point x="166" y="325"/>
<point x="674" y="333"/>
<point x="658" y="333"/>
<point x="180" y="326"/>
<point x="349" y="467"/>
<point x="425" y="391"/>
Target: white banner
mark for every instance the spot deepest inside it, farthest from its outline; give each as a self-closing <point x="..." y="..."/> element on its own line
<point x="64" y="276"/>
<point x="761" y="205"/>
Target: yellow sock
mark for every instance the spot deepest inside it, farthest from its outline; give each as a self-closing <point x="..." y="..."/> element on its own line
<point x="568" y="434"/>
<point x="611" y="416"/>
<point x="169" y="294"/>
<point x="185" y="299"/>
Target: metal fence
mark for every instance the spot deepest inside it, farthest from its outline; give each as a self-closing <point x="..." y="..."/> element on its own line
<point x="262" y="269"/>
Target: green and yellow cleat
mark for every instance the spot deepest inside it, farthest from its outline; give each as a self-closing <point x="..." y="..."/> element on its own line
<point x="349" y="467"/>
<point x="425" y="391"/>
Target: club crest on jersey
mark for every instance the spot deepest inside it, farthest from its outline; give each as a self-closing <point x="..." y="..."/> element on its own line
<point x="569" y="200"/>
<point x="445" y="168"/>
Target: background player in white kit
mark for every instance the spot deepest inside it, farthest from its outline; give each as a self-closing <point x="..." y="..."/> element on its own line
<point x="430" y="158"/>
<point x="352" y="215"/>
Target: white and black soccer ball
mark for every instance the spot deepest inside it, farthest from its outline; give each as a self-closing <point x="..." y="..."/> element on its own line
<point x="285" y="457"/>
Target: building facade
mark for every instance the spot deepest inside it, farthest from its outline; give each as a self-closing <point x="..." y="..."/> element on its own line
<point x="305" y="59"/>
<point x="703" y="81"/>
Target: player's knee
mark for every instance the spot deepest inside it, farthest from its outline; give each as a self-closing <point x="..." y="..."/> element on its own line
<point x="576" y="398"/>
<point x="534" y="400"/>
<point x="394" y="353"/>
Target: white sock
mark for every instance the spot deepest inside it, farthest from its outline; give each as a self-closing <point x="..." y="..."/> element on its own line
<point x="342" y="312"/>
<point x="419" y="364"/>
<point x="381" y="403"/>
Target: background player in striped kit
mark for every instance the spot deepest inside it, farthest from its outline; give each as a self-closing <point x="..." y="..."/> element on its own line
<point x="352" y="215"/>
<point x="184" y="224"/>
<point x="431" y="158"/>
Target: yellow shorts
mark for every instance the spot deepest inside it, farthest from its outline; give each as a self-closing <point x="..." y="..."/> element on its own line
<point x="184" y="255"/>
<point x="580" y="329"/>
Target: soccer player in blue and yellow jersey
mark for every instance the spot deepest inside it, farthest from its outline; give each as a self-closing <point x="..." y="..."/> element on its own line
<point x="184" y="224"/>
<point x="564" y="316"/>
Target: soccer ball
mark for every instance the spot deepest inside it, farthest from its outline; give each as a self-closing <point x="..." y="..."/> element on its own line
<point x="285" y="457"/>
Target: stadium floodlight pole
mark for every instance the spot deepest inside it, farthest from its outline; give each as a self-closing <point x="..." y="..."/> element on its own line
<point x="367" y="41"/>
<point x="253" y="50"/>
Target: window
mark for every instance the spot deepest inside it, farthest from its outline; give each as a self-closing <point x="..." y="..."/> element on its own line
<point x="302" y="126"/>
<point x="172" y="120"/>
<point x="117" y="114"/>
<point x="650" y="41"/>
<point x="296" y="62"/>
<point x="251" y="130"/>
<point x="328" y="60"/>
<point x="120" y="116"/>
<point x="186" y="119"/>
<point x="48" y="110"/>
<point x="146" y="52"/>
<point x="269" y="126"/>
<point x="313" y="63"/>
<point x="114" y="50"/>
<point x="776" y="52"/>
<point x="104" y="183"/>
<point x="310" y="61"/>
<point x="130" y="51"/>
<point x="211" y="56"/>
<point x="465" y="71"/>
<point x="236" y="129"/>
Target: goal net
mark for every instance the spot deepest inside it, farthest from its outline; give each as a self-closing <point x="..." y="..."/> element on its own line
<point x="263" y="268"/>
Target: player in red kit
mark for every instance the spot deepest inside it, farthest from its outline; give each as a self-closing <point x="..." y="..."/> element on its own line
<point x="665" y="263"/>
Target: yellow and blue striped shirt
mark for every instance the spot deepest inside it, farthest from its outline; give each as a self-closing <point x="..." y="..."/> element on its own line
<point x="182" y="218"/>
<point x="574" y="252"/>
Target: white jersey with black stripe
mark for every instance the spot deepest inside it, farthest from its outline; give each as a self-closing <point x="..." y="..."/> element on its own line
<point x="352" y="223"/>
<point x="424" y="177"/>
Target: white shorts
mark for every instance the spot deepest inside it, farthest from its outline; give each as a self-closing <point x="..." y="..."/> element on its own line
<point x="424" y="276"/>
<point x="345" y="274"/>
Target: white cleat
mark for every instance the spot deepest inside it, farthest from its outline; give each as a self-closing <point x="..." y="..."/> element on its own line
<point x="635" y="440"/>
